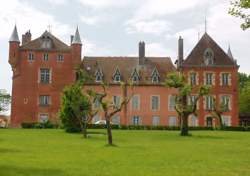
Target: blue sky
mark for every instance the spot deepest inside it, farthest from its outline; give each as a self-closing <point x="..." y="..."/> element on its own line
<point x="111" y="27"/>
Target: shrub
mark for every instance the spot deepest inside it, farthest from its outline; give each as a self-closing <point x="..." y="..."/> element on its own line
<point x="38" y="125"/>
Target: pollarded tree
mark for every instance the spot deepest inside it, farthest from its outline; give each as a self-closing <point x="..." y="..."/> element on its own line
<point x="4" y="101"/>
<point x="109" y="107"/>
<point x="182" y="107"/>
<point x="240" y="9"/>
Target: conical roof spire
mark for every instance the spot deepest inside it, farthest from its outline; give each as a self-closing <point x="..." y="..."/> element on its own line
<point x="14" y="36"/>
<point x="77" y="38"/>
<point x="229" y="53"/>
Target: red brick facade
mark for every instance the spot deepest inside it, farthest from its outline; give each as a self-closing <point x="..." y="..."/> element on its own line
<point x="44" y="66"/>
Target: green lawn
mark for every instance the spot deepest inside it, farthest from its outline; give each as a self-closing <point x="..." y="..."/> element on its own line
<point x="138" y="153"/>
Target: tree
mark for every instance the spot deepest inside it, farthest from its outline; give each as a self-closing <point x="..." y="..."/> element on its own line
<point x="109" y="107"/>
<point x="239" y="9"/>
<point x="243" y="79"/>
<point x="4" y="101"/>
<point x="244" y="98"/>
<point x="75" y="109"/>
<point x="182" y="107"/>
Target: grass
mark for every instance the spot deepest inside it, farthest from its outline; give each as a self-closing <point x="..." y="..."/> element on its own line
<point x="137" y="153"/>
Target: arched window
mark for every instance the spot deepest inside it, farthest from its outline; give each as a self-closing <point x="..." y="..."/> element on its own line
<point x="208" y="56"/>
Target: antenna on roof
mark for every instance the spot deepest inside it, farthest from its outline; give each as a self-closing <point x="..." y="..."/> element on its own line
<point x="206" y="21"/>
<point x="49" y="28"/>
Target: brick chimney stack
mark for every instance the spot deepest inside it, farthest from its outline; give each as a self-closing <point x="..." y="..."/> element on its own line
<point x="180" y="52"/>
<point x="141" y="53"/>
<point x="26" y="37"/>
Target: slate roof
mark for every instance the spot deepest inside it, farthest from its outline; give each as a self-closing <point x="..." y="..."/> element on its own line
<point x="14" y="36"/>
<point x="36" y="44"/>
<point x="195" y="58"/>
<point x="127" y="65"/>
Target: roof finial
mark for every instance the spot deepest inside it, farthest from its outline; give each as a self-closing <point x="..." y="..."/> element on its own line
<point x="229" y="52"/>
<point x="206" y="21"/>
<point x="50" y="28"/>
<point x="77" y="38"/>
<point x="14" y="36"/>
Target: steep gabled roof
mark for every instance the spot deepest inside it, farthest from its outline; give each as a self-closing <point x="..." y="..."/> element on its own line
<point x="196" y="57"/>
<point x="127" y="65"/>
<point x="36" y="44"/>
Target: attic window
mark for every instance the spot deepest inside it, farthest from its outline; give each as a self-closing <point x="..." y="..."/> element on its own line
<point x="155" y="76"/>
<point x="117" y="76"/>
<point x="46" y="42"/>
<point x="208" y="56"/>
<point x="135" y="76"/>
<point x="98" y="76"/>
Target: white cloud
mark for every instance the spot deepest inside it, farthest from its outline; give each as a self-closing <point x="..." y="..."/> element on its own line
<point x="157" y="49"/>
<point x="103" y="4"/>
<point x="156" y="27"/>
<point x="90" y="20"/>
<point x="58" y="2"/>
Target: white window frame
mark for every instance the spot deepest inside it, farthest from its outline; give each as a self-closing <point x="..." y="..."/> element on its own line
<point x="156" y="121"/>
<point x="151" y="103"/>
<point x="172" y="121"/>
<point x="132" y="102"/>
<point x="171" y="107"/>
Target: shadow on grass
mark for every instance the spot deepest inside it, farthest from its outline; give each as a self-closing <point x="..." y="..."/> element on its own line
<point x="207" y="137"/>
<point x="28" y="171"/>
<point x="7" y="150"/>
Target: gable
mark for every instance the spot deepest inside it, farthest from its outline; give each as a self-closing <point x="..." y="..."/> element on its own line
<point x="197" y="57"/>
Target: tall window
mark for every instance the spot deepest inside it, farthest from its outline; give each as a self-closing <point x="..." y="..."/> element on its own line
<point x="171" y="102"/>
<point x="191" y="100"/>
<point x="135" y="102"/>
<point x="45" y="75"/>
<point x="136" y="120"/>
<point x="226" y="120"/>
<point x="193" y="121"/>
<point x="193" y="80"/>
<point x="156" y="120"/>
<point x="116" y="119"/>
<point x="225" y="79"/>
<point x="31" y="57"/>
<point x="155" y="102"/>
<point x="44" y="100"/>
<point x="209" y="103"/>
<point x="172" y="121"/>
<point x="96" y="103"/>
<point x="45" y="56"/>
<point x="60" y="58"/>
<point x="225" y="101"/>
<point x="43" y="118"/>
<point x="209" y="79"/>
<point x="117" y="101"/>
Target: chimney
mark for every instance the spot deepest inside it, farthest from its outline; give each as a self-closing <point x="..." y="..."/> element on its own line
<point x="180" y="52"/>
<point x="141" y="53"/>
<point x="26" y="37"/>
<point x="71" y="39"/>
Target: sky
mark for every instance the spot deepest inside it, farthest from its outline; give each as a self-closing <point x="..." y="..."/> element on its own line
<point x="114" y="28"/>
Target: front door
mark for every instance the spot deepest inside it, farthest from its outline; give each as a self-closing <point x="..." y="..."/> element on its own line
<point x="209" y="121"/>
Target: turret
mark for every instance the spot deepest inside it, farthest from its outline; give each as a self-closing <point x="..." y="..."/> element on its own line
<point x="76" y="47"/>
<point x="14" y="43"/>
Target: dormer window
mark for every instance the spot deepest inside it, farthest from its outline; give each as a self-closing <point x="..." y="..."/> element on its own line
<point x="60" y="58"/>
<point x="117" y="76"/>
<point x="98" y="75"/>
<point x="208" y="56"/>
<point x="155" y="76"/>
<point x="135" y="76"/>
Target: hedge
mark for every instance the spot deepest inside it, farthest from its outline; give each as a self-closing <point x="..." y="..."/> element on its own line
<point x="129" y="127"/>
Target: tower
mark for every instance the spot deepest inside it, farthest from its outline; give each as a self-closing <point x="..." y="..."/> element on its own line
<point x="14" y="44"/>
<point x="76" y="47"/>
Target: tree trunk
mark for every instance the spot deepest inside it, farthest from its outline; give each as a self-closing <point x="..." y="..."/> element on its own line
<point x="109" y="132"/>
<point x="184" y="126"/>
<point x="84" y="130"/>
